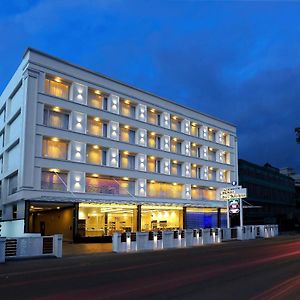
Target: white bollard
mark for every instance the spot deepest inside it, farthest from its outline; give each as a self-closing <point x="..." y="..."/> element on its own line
<point x="167" y="239"/>
<point x="142" y="241"/>
<point x="57" y="245"/>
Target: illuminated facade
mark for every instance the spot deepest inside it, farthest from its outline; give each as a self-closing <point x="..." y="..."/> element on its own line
<point x="87" y="155"/>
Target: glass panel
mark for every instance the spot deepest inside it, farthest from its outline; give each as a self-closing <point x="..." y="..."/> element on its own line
<point x="164" y="190"/>
<point x="55" y="149"/>
<point x="57" y="89"/>
<point x="95" y="100"/>
<point x="152" y="117"/>
<point x="109" y="186"/>
<point x="94" y="127"/>
<point x="94" y="155"/>
<point x="13" y="184"/>
<point x="53" y="181"/>
<point x="56" y="119"/>
<point x="104" y="219"/>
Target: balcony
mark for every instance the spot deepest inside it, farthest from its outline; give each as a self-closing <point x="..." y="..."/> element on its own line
<point x="55" y="148"/>
<point x="56" y="87"/>
<point x="56" y="117"/>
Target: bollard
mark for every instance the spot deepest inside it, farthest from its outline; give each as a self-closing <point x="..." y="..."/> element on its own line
<point x="57" y="245"/>
<point x="167" y="239"/>
<point x="159" y="240"/>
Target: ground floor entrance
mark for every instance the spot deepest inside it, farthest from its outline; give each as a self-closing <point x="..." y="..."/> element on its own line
<point x="97" y="222"/>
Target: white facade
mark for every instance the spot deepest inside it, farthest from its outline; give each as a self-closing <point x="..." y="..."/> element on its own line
<point x="131" y="122"/>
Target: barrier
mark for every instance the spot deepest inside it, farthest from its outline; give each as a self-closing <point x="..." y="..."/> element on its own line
<point x="158" y="240"/>
<point x="30" y="246"/>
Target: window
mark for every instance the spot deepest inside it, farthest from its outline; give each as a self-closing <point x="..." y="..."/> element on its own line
<point x="55" y="148"/>
<point x="94" y="126"/>
<point x="57" y="88"/>
<point x="2" y="117"/>
<point x="2" y="140"/>
<point x="154" y="140"/>
<point x="56" y="181"/>
<point x="95" y="99"/>
<point x="175" y="123"/>
<point x="211" y="135"/>
<point x="127" y="135"/>
<point x="175" y="146"/>
<point x="195" y="150"/>
<point x="126" y="160"/>
<point x="12" y="184"/>
<point x="104" y="127"/>
<point x="127" y="109"/>
<point x="194" y="130"/>
<point x="108" y="185"/>
<point x="94" y="154"/>
<point x="153" y="164"/>
<point x="176" y="168"/>
<point x="56" y="118"/>
<point x="152" y="116"/>
<point x="14" y="212"/>
<point x="105" y="103"/>
<point x="164" y="190"/>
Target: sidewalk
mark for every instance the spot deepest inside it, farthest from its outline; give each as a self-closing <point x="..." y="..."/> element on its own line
<point x="70" y="249"/>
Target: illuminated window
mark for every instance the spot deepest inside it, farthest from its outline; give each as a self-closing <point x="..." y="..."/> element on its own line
<point x="58" y="119"/>
<point x="195" y="130"/>
<point x="95" y="99"/>
<point x="96" y="155"/>
<point x="164" y="190"/>
<point x="54" y="148"/>
<point x="127" y="135"/>
<point x="94" y="126"/>
<point x="175" y="124"/>
<point x="127" y="161"/>
<point x="54" y="181"/>
<point x="176" y="169"/>
<point x="107" y="185"/>
<point x="58" y="89"/>
<point x="127" y="109"/>
<point x="175" y="146"/>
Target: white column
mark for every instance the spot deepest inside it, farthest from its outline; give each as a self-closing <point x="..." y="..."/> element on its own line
<point x="186" y="169"/>
<point x="204" y="132"/>
<point x="78" y="122"/>
<point x="140" y="162"/>
<point x="79" y="93"/>
<point x="141" y="137"/>
<point x="76" y="181"/>
<point x="113" y="104"/>
<point x="186" y="192"/>
<point x="141" y="187"/>
<point x="165" y="166"/>
<point x="186" y="126"/>
<point x="77" y="151"/>
<point x="113" y="130"/>
<point x="204" y="173"/>
<point x="186" y="148"/>
<point x="113" y="157"/>
<point x="141" y="112"/>
<point x="165" y="120"/>
<point x="203" y="152"/>
<point x="165" y="143"/>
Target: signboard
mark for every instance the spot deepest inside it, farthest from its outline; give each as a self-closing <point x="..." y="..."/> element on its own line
<point x="234" y="206"/>
<point x="233" y="193"/>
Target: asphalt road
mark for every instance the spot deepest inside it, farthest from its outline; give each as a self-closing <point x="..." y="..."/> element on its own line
<point x="258" y="270"/>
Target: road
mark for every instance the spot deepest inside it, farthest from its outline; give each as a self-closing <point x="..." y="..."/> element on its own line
<point x="257" y="270"/>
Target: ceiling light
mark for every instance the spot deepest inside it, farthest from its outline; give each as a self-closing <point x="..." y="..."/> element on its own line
<point x="97" y="119"/>
<point x="126" y="126"/>
<point x="55" y="139"/>
<point x="127" y="102"/>
<point x="97" y="92"/>
<point x="125" y="178"/>
<point x="95" y="147"/>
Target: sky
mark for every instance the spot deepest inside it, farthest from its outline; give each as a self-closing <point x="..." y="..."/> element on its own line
<point x="236" y="60"/>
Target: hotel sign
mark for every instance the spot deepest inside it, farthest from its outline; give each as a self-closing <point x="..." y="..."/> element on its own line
<point x="233" y="193"/>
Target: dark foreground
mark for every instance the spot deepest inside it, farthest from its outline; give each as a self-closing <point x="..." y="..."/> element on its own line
<point x="261" y="269"/>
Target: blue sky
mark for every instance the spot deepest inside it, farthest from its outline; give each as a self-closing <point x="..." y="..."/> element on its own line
<point x="239" y="61"/>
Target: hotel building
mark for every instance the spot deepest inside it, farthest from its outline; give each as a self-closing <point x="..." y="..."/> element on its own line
<point x="85" y="155"/>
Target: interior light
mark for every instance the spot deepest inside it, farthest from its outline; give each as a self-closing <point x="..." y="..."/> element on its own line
<point x="97" y="92"/>
<point x="210" y="129"/>
<point x="54" y="170"/>
<point x="57" y="79"/>
<point x="174" y="183"/>
<point x="125" y="178"/>
<point x="211" y="188"/>
<point x="56" y="108"/>
<point x="58" y="207"/>
<point x="211" y="168"/>
<point x="55" y="139"/>
<point x="194" y="124"/>
<point x="95" y="175"/>
<point x="152" y="181"/>
<point x="152" y="157"/>
<point x="127" y="102"/>
<point x="126" y="126"/>
<point x="125" y="152"/>
<point x="152" y="110"/>
<point x="97" y="119"/>
<point x="210" y="149"/>
<point x="95" y="147"/>
<point x="174" y="118"/>
<point x="194" y="144"/>
<point x="175" y="161"/>
<point x="194" y="185"/>
<point x="175" y="139"/>
<point x="152" y="133"/>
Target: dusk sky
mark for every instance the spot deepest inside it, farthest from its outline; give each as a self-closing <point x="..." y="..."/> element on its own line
<point x="238" y="61"/>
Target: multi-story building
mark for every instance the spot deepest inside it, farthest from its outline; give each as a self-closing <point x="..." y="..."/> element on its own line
<point x="271" y="195"/>
<point x="86" y="155"/>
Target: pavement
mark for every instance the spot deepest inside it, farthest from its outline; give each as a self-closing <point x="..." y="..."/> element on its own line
<point x="256" y="270"/>
<point x="72" y="249"/>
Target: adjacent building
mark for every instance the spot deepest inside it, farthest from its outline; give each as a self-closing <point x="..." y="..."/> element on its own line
<point x="270" y="195"/>
<point x="86" y="155"/>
